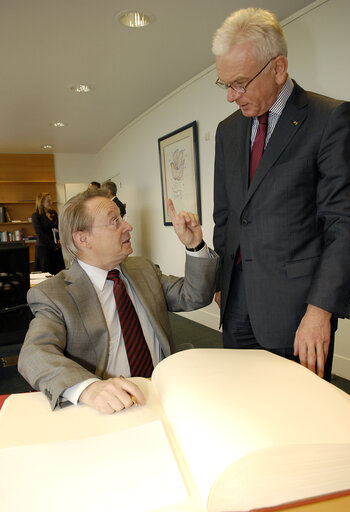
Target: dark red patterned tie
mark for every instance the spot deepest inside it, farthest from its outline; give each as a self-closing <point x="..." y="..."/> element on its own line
<point x="255" y="157"/>
<point x="139" y="356"/>
<point x="258" y="145"/>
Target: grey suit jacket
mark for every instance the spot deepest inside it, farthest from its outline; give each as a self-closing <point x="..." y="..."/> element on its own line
<point x="293" y="222"/>
<point x="67" y="341"/>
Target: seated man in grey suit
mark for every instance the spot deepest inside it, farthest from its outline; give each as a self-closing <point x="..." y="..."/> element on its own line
<point x="81" y="339"/>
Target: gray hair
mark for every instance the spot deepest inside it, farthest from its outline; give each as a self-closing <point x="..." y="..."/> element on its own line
<point x="111" y="186"/>
<point x="75" y="216"/>
<point x="256" y="25"/>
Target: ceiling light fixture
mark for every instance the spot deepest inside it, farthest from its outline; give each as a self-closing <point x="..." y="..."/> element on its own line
<point x="81" y="88"/>
<point x="134" y="19"/>
<point x="47" y="146"/>
<point x="58" y="124"/>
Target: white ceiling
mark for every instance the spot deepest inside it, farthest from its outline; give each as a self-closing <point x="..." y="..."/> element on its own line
<point x="46" y="46"/>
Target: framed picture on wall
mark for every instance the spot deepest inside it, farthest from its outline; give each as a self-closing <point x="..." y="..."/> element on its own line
<point x="179" y="170"/>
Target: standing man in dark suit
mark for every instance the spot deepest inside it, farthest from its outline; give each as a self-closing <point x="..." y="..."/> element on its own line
<point x="282" y="226"/>
<point x="111" y="190"/>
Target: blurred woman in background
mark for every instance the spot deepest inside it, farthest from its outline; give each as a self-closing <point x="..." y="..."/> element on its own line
<point x="48" y="252"/>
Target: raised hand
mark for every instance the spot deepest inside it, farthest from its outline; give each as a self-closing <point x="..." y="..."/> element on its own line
<point x="186" y="226"/>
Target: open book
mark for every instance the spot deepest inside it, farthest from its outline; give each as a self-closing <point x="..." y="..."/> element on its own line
<point x="222" y="430"/>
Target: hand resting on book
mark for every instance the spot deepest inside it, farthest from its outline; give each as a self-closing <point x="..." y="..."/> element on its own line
<point x="111" y="395"/>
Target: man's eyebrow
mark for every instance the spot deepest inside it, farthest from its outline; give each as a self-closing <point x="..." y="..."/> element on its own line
<point x="112" y="211"/>
<point x="239" y="78"/>
<point x="113" y="214"/>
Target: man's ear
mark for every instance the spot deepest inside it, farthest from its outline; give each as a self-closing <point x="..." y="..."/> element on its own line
<point x="81" y="240"/>
<point x="280" y="68"/>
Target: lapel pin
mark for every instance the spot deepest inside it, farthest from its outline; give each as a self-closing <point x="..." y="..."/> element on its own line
<point x="295" y="123"/>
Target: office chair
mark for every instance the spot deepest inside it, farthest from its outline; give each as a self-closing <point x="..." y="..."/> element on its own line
<point x="15" y="314"/>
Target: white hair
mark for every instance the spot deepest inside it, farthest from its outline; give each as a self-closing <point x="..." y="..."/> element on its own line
<point x="251" y="25"/>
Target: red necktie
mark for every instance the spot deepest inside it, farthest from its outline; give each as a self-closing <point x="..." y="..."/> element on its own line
<point x="258" y="145"/>
<point x="255" y="157"/>
<point x="139" y="356"/>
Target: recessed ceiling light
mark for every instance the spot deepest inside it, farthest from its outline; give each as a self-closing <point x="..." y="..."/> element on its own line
<point x="58" y="124"/>
<point x="134" y="19"/>
<point x="81" y="88"/>
<point x="47" y="146"/>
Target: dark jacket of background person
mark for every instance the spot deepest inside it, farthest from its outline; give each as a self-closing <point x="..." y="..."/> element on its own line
<point x="121" y="206"/>
<point x="111" y="190"/>
<point x="48" y="254"/>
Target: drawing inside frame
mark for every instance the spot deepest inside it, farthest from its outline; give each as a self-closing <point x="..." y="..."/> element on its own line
<point x="179" y="170"/>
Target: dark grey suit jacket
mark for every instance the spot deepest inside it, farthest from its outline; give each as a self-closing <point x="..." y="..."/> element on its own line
<point x="293" y="222"/>
<point x="67" y="341"/>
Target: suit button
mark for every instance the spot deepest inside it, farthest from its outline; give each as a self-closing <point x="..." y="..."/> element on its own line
<point x="244" y="222"/>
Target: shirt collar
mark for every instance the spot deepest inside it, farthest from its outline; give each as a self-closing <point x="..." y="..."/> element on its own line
<point x="282" y="98"/>
<point x="96" y="275"/>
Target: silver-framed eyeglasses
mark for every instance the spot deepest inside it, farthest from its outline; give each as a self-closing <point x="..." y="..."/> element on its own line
<point x="115" y="223"/>
<point x="241" y="89"/>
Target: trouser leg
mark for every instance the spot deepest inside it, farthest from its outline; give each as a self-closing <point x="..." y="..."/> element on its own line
<point x="238" y="332"/>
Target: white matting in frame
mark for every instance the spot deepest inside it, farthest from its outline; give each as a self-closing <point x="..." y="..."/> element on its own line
<point x="179" y="169"/>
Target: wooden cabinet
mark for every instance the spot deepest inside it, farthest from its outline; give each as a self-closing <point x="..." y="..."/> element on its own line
<point x="22" y="178"/>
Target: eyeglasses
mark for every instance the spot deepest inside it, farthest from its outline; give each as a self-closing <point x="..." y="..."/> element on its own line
<point x="115" y="224"/>
<point x="241" y="89"/>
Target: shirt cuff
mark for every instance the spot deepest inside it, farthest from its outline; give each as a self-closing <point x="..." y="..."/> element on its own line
<point x="73" y="393"/>
<point x="202" y="253"/>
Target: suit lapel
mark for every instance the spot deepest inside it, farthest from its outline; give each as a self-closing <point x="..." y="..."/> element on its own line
<point x="245" y="156"/>
<point x="84" y="296"/>
<point x="137" y="279"/>
<point x="289" y="123"/>
<point x="147" y="294"/>
<point x="237" y="152"/>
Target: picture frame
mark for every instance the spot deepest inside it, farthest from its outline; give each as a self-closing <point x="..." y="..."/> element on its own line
<point x="179" y="171"/>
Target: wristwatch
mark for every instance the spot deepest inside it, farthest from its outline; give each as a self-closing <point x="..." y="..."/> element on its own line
<point x="198" y="248"/>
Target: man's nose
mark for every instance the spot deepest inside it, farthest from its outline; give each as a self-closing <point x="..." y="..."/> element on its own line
<point x="127" y="226"/>
<point x="232" y="95"/>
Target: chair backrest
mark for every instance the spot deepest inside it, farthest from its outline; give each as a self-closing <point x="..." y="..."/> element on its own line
<point x="15" y="314"/>
<point x="14" y="324"/>
<point x="14" y="274"/>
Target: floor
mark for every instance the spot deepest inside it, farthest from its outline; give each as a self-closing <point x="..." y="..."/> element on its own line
<point x="184" y="331"/>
